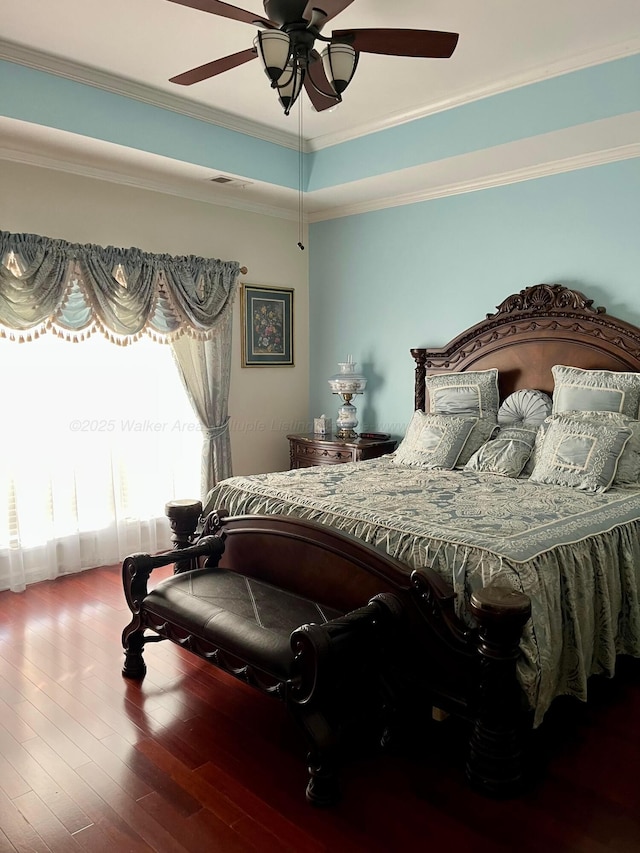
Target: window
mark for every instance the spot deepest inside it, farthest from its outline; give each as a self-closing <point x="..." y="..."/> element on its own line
<point x="95" y="439"/>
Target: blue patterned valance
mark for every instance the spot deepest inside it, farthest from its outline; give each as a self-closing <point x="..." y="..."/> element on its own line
<point x="74" y="290"/>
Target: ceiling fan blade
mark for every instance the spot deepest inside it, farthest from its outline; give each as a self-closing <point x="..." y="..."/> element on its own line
<point x="211" y="69"/>
<point x="225" y="10"/>
<point x="315" y="73"/>
<point x="427" y="43"/>
<point x="329" y="8"/>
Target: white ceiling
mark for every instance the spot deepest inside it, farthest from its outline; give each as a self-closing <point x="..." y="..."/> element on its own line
<point x="134" y="43"/>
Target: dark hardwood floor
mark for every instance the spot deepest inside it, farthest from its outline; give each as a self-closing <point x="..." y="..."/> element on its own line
<point x="192" y="760"/>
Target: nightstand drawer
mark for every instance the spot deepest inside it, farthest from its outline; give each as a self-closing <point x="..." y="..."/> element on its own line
<point x="314" y="454"/>
<point x="308" y="450"/>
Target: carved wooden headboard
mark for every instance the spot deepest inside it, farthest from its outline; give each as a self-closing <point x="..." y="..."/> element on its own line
<point x="531" y="331"/>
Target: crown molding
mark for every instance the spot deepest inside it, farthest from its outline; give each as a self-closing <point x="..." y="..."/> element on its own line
<point x="181" y="187"/>
<point x="516" y="81"/>
<point x="542" y="170"/>
<point x="178" y="189"/>
<point x="21" y="55"/>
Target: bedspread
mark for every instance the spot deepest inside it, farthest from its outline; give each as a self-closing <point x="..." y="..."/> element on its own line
<point x="576" y="555"/>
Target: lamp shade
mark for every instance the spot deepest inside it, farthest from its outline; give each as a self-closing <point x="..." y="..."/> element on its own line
<point x="347" y="381"/>
<point x="339" y="62"/>
<point x="289" y="85"/>
<point x="273" y="48"/>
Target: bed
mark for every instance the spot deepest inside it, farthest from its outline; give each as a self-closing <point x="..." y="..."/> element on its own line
<point x="574" y="554"/>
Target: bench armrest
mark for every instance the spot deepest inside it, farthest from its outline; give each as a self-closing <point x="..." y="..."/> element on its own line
<point x="137" y="568"/>
<point x="329" y="655"/>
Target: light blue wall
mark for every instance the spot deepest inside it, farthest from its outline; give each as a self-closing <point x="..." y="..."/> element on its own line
<point x="383" y="282"/>
<point x="41" y="98"/>
<point x="598" y="92"/>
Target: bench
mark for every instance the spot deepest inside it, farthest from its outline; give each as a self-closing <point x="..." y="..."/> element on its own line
<point x="286" y="639"/>
<point x="396" y="649"/>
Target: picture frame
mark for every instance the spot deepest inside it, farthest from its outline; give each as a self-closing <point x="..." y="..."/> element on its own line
<point x="267" y="326"/>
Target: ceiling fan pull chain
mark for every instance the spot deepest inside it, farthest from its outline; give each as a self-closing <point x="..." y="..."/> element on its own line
<point x="300" y="178"/>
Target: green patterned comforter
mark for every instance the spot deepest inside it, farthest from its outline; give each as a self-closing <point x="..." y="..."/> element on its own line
<point x="576" y="555"/>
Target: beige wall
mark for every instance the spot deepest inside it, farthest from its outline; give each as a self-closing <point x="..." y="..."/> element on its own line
<point x="265" y="403"/>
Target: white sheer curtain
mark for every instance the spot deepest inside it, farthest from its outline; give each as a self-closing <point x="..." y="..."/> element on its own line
<point x="95" y="438"/>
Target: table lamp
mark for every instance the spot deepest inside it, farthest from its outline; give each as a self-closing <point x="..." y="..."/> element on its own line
<point x="346" y="384"/>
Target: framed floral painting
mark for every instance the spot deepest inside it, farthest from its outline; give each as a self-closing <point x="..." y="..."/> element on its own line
<point x="267" y="326"/>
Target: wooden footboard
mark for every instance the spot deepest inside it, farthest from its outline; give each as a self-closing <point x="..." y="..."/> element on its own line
<point x="433" y="657"/>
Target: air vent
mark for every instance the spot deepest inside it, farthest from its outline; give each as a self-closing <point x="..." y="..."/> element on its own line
<point x="226" y="181"/>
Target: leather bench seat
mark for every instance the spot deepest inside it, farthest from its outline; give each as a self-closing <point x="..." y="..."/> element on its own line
<point x="250" y="619"/>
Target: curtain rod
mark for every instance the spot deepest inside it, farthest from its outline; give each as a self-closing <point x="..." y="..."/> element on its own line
<point x="244" y="270"/>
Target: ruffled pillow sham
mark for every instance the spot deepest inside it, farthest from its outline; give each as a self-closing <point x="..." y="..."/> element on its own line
<point x="628" y="471"/>
<point x="580" y="452"/>
<point x="470" y="392"/>
<point x="434" y="441"/>
<point x="576" y="389"/>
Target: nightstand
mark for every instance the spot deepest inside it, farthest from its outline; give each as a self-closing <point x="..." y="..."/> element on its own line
<point x="310" y="449"/>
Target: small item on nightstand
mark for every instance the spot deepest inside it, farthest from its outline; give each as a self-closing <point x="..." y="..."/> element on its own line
<point x="322" y="425"/>
<point x="375" y="436"/>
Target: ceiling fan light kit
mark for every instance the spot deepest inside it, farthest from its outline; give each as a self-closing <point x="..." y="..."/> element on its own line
<point x="286" y="57"/>
<point x="289" y="86"/>
<point x="340" y="62"/>
<point x="285" y="45"/>
<point x="273" y="48"/>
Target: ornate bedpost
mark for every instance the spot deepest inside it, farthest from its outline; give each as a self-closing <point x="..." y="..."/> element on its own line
<point x="419" y="394"/>
<point x="183" y="516"/>
<point x="495" y="763"/>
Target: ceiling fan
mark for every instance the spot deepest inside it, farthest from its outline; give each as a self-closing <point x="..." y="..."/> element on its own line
<point x="285" y="44"/>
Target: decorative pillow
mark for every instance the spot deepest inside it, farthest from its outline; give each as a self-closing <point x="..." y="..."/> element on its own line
<point x="474" y="392"/>
<point x="595" y="391"/>
<point x="628" y="472"/>
<point x="412" y="432"/>
<point x="433" y="441"/>
<point x="581" y="453"/>
<point x="525" y="408"/>
<point x="481" y="432"/>
<point x="537" y="444"/>
<point x="505" y="455"/>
